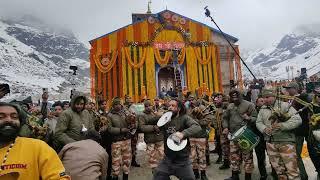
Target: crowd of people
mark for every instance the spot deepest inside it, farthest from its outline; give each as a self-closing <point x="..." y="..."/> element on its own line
<point x="86" y="140"/>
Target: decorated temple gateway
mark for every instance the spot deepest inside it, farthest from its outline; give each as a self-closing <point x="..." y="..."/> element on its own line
<point x="162" y="52"/>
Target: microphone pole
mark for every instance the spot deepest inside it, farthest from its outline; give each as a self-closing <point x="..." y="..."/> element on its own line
<point x="207" y="13"/>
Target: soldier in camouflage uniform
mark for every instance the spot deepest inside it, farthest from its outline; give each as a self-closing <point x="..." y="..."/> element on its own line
<point x="239" y="113"/>
<point x="152" y="135"/>
<point x="223" y="143"/>
<point x="121" y="144"/>
<point x="314" y="134"/>
<point x="279" y="136"/>
<point x="198" y="142"/>
<point x="134" y="140"/>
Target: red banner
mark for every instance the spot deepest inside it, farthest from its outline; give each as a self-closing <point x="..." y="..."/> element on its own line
<point x="168" y="45"/>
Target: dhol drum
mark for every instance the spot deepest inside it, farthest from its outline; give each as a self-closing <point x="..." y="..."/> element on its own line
<point x="246" y="139"/>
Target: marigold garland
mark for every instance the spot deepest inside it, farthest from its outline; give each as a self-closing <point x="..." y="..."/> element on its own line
<point x="105" y="69"/>
<point x="182" y="56"/>
<point x="142" y="60"/>
<point x="203" y="60"/>
<point x="162" y="61"/>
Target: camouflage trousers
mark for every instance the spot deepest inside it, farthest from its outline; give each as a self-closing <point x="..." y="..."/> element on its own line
<point x="156" y="153"/>
<point x="121" y="155"/>
<point x="236" y="157"/>
<point x="134" y="141"/>
<point x="283" y="158"/>
<point x="198" y="153"/>
<point x="225" y="146"/>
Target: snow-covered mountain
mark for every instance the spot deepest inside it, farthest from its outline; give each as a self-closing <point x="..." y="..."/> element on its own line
<point x="34" y="55"/>
<point x="299" y="49"/>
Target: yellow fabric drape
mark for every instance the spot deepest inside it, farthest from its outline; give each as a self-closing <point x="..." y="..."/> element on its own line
<point x="200" y="78"/>
<point x="210" y="72"/>
<point x="144" y="38"/>
<point x="136" y="86"/>
<point x="129" y="35"/>
<point x="141" y="69"/>
<point x="124" y="75"/>
<point x="215" y="71"/>
<point x="150" y="73"/>
<point x="182" y="56"/>
<point x="192" y="69"/>
<point x="193" y="31"/>
<point x="205" y="68"/>
<point x="169" y="36"/>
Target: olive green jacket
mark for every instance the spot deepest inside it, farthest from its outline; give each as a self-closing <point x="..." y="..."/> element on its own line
<point x="147" y="123"/>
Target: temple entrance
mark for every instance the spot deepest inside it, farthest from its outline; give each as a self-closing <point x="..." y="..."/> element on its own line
<point x="166" y="80"/>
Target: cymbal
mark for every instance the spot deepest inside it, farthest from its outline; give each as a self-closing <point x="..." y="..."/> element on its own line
<point x="165" y="118"/>
<point x="176" y="145"/>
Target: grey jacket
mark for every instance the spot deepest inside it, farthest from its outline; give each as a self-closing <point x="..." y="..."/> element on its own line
<point x="232" y="117"/>
<point x="285" y="134"/>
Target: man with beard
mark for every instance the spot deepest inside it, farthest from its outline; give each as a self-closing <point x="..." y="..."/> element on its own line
<point x="31" y="158"/>
<point x="121" y="140"/>
<point x="152" y="135"/>
<point x="276" y="120"/>
<point x="181" y="126"/>
<point x="239" y="113"/>
<point x="73" y="123"/>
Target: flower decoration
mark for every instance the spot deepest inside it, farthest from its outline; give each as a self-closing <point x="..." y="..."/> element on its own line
<point x="151" y="20"/>
<point x="167" y="15"/>
<point x="183" y="21"/>
<point x="175" y="18"/>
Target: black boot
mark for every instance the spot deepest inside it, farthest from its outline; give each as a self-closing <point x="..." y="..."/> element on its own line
<point x="225" y="165"/>
<point x="219" y="160"/>
<point x="263" y="177"/>
<point x="196" y="174"/>
<point x="115" y="178"/>
<point x="247" y="176"/>
<point x="134" y="162"/>
<point x="204" y="175"/>
<point x="208" y="159"/>
<point x="274" y="174"/>
<point x="235" y="176"/>
<point x="125" y="176"/>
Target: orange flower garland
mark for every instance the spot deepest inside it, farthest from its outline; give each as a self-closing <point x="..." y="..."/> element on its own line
<point x="142" y="60"/>
<point x="105" y="69"/>
<point x="204" y="60"/>
<point x="182" y="56"/>
<point x="162" y="61"/>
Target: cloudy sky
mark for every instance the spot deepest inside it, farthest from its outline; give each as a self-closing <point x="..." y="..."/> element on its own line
<point x="257" y="23"/>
